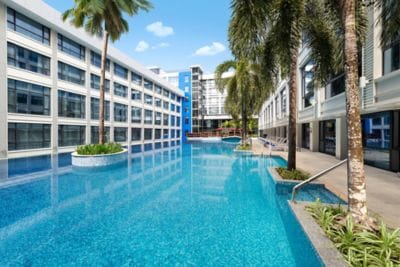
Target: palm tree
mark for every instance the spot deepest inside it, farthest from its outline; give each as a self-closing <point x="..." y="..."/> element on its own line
<point x="246" y="91"/>
<point x="104" y="18"/>
<point x="269" y="32"/>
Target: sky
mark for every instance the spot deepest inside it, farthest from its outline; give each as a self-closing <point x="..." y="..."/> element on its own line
<point x="175" y="34"/>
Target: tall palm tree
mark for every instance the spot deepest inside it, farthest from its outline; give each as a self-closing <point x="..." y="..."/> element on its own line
<point x="246" y="91"/>
<point x="104" y="18"/>
<point x="269" y="32"/>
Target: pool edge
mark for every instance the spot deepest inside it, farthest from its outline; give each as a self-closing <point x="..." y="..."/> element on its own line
<point x="326" y="250"/>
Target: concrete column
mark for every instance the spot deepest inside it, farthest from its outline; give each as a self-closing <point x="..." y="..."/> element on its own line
<point x="3" y="83"/>
<point x="314" y="136"/>
<point x="54" y="92"/>
<point x="341" y="138"/>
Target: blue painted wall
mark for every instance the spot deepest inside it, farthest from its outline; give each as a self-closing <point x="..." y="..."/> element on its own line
<point x="185" y="84"/>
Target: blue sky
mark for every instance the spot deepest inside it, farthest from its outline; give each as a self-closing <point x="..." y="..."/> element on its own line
<point x="175" y="33"/>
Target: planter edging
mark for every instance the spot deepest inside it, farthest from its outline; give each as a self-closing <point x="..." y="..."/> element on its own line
<point x="98" y="160"/>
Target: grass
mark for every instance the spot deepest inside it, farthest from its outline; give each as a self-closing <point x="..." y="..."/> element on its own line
<point x="97" y="149"/>
<point x="243" y="147"/>
<point x="360" y="246"/>
<point x="292" y="174"/>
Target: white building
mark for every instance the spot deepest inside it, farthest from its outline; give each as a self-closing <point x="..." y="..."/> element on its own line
<point x="322" y="112"/>
<point x="52" y="76"/>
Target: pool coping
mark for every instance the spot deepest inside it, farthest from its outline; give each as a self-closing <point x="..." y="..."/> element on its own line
<point x="325" y="248"/>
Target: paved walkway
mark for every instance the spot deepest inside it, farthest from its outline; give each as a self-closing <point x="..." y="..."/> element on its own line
<point x="383" y="187"/>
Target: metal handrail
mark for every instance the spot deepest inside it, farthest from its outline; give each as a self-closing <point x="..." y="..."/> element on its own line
<point x="314" y="177"/>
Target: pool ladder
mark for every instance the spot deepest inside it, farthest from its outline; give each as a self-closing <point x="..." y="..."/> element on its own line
<point x="314" y="177"/>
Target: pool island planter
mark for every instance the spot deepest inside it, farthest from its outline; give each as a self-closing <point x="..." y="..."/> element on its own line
<point x="98" y="160"/>
<point x="278" y="178"/>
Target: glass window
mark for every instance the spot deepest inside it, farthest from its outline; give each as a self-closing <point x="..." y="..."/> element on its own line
<point x="148" y="84"/>
<point x="157" y="145"/>
<point x="120" y="90"/>
<point x="136" y="115"/>
<point x="306" y="133"/>
<point x="307" y="84"/>
<point x="95" y="83"/>
<point x="172" y="120"/>
<point x="157" y="102"/>
<point x="94" y="134"/>
<point x="23" y="58"/>
<point x="148" y="147"/>
<point x="391" y="58"/>
<point x="178" y="133"/>
<point x="136" y="134"/>
<point x="120" y="71"/>
<point x="173" y="96"/>
<point x="28" y="136"/>
<point x="165" y="119"/>
<point x="71" y="135"/>
<point x="71" y="105"/>
<point x="136" y="95"/>
<point x="120" y="112"/>
<point x="95" y="109"/>
<point x="120" y="134"/>
<point x="70" y="47"/>
<point x="136" y="78"/>
<point x="166" y="92"/>
<point x="148" y="134"/>
<point x="172" y="107"/>
<point x="70" y="73"/>
<point x="166" y="105"/>
<point x="178" y="109"/>
<point x="148" y="99"/>
<point x="165" y="133"/>
<point x="136" y="148"/>
<point x="335" y="86"/>
<point x="178" y="121"/>
<point x="157" y="118"/>
<point x="95" y="59"/>
<point x="283" y="102"/>
<point x="148" y="116"/>
<point x="172" y="133"/>
<point x="157" y="134"/>
<point x="28" y="98"/>
<point x="377" y="139"/>
<point x="158" y="89"/>
<point x="328" y="137"/>
<point x="22" y="24"/>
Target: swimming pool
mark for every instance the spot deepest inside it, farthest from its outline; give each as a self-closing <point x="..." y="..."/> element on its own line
<point x="199" y="204"/>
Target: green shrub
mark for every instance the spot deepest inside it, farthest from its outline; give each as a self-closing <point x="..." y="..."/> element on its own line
<point x="292" y="174"/>
<point x="244" y="147"/>
<point x="359" y="246"/>
<point x="97" y="149"/>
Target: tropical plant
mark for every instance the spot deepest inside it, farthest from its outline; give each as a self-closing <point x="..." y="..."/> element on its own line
<point x="99" y="149"/>
<point x="360" y="246"/>
<point x="246" y="91"/>
<point x="104" y="18"/>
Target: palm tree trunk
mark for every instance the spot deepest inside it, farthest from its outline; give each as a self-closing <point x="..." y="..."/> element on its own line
<point x="355" y="166"/>
<point x="292" y="110"/>
<point x="102" y="81"/>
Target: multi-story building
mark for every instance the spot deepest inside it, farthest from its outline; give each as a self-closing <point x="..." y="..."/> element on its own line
<point x="183" y="80"/>
<point x="214" y="104"/>
<point x="322" y="111"/>
<point x="52" y="76"/>
<point x="203" y="105"/>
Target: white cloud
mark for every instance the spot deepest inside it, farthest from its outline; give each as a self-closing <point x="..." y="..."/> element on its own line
<point x="142" y="46"/>
<point x="210" y="50"/>
<point x="160" y="45"/>
<point x="158" y="29"/>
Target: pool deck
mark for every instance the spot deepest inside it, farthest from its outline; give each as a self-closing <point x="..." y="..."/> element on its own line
<point x="383" y="187"/>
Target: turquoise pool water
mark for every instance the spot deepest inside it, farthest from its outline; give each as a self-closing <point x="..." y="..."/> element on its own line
<point x="196" y="205"/>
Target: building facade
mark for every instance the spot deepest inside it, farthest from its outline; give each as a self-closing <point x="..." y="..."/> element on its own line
<point x="322" y="111"/>
<point x="52" y="76"/>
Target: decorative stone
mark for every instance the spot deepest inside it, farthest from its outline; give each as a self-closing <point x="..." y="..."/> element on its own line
<point x="98" y="160"/>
